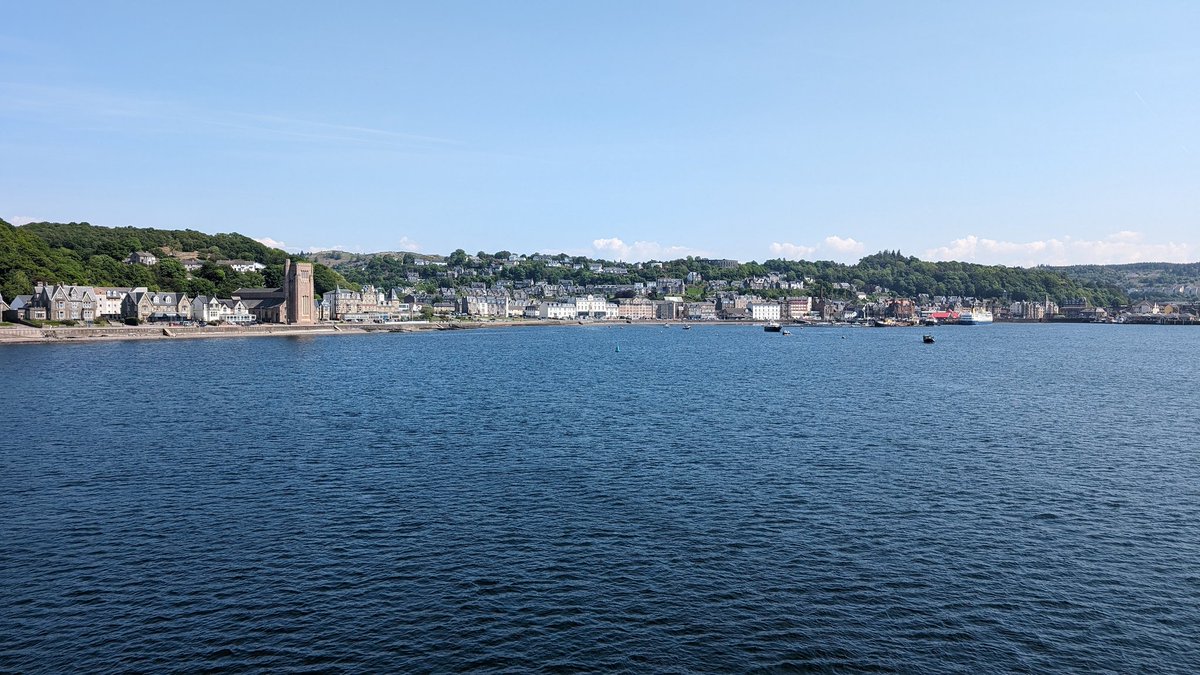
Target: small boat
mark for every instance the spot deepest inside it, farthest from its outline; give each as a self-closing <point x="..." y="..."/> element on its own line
<point x="773" y="327"/>
<point x="786" y="332"/>
<point x="687" y="326"/>
<point x="928" y="339"/>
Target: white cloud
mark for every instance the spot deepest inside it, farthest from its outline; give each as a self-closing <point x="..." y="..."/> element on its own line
<point x="640" y="250"/>
<point x="407" y="244"/>
<point x="23" y="220"/>
<point x="847" y="245"/>
<point x="267" y="241"/>
<point x="275" y="243"/>
<point x="791" y="251"/>
<point x="831" y="247"/>
<point x="1119" y="247"/>
<point x="334" y="247"/>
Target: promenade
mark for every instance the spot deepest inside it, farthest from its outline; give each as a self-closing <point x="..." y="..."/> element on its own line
<point x="28" y="335"/>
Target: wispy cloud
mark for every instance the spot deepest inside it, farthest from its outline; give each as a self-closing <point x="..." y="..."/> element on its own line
<point x="23" y="220"/>
<point x="77" y="100"/>
<point x="1120" y="247"/>
<point x="354" y="130"/>
<point x="407" y="244"/>
<point x="90" y="104"/>
<point x="638" y="251"/>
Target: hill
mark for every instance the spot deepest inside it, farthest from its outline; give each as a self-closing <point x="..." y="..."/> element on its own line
<point x="81" y="253"/>
<point x="348" y="260"/>
<point x="1149" y="281"/>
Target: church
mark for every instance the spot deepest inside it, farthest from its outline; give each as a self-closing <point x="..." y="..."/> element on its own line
<point x="294" y="303"/>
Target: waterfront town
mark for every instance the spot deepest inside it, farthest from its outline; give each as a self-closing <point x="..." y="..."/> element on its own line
<point x="769" y="298"/>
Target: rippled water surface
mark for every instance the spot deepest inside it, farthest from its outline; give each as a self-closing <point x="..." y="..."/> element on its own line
<point x="1011" y="498"/>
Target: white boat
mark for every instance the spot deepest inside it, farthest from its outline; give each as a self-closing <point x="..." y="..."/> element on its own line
<point x="974" y="317"/>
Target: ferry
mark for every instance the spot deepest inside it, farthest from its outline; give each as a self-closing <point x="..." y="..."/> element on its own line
<point x="773" y="327"/>
<point x="974" y="317"/>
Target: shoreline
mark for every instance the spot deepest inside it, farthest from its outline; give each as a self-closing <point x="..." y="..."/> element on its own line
<point x="21" y="334"/>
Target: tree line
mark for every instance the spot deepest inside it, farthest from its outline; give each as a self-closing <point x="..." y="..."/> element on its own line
<point x="901" y="275"/>
<point x="80" y="253"/>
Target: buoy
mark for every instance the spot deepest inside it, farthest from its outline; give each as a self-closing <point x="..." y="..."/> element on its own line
<point x="618" y="348"/>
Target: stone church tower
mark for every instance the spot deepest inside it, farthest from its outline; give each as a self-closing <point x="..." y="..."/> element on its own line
<point x="298" y="291"/>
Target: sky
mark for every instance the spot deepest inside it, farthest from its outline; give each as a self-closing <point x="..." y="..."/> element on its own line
<point x="1016" y="133"/>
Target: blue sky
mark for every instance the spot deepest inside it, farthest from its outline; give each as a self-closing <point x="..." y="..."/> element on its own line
<point x="1015" y="133"/>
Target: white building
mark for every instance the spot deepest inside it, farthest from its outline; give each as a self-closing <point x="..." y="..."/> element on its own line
<point x="556" y="310"/>
<point x="109" y="299"/>
<point x="214" y="309"/>
<point x="595" y="307"/>
<point x="764" y="311"/>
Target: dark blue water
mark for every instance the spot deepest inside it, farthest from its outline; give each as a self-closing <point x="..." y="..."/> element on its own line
<point x="1011" y="498"/>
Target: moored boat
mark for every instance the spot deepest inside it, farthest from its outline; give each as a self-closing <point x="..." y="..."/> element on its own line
<point x="973" y="317"/>
<point x="773" y="327"/>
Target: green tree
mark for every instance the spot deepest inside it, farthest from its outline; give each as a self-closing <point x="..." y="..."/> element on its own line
<point x="105" y="271"/>
<point x="17" y="283"/>
<point x="196" y="287"/>
<point x="170" y="274"/>
<point x="326" y="279"/>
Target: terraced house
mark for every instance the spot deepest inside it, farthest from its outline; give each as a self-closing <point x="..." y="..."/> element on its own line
<point x="215" y="309"/>
<point x="109" y="300"/>
<point x="156" y="306"/>
<point x="65" y="303"/>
